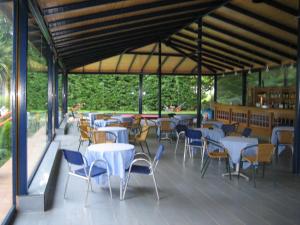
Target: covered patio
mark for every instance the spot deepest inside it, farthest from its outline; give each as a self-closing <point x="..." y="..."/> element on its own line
<point x="241" y="60"/>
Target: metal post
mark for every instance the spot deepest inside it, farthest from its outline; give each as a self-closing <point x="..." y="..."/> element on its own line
<point x="296" y="155"/>
<point x="65" y="93"/>
<point x="141" y="94"/>
<point x="259" y="78"/>
<point x="199" y="75"/>
<point x="285" y="77"/>
<point x="56" y="107"/>
<point x="50" y="94"/>
<point x="159" y="79"/>
<point x="244" y="87"/>
<point x="18" y="97"/>
<point x="215" y="88"/>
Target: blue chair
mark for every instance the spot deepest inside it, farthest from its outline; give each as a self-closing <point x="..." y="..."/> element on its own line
<point x="192" y="140"/>
<point x="180" y="131"/>
<point x="83" y="170"/>
<point x="247" y="132"/>
<point x="229" y="128"/>
<point x="148" y="169"/>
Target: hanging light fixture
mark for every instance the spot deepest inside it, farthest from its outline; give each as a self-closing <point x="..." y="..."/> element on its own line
<point x="267" y="69"/>
<point x="291" y="66"/>
<point x="235" y="73"/>
<point x="223" y="75"/>
<point x="249" y="71"/>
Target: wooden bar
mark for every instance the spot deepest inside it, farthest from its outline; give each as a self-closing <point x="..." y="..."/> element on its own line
<point x="261" y="121"/>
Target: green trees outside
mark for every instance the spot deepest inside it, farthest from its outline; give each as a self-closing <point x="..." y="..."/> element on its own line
<point x="119" y="93"/>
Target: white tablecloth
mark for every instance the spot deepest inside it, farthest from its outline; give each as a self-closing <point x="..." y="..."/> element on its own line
<point x="217" y="124"/>
<point x="120" y="132"/>
<point x="274" y="136"/>
<point x="234" y="145"/>
<point x="104" y="123"/>
<point x="215" y="134"/>
<point x="119" y="156"/>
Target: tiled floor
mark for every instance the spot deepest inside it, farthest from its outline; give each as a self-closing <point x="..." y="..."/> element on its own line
<point x="186" y="199"/>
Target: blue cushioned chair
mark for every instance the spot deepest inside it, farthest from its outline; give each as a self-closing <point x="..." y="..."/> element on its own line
<point x="229" y="128"/>
<point x="180" y="132"/>
<point x="192" y="140"/>
<point x="247" y="132"/>
<point x="83" y="170"/>
<point x="147" y="169"/>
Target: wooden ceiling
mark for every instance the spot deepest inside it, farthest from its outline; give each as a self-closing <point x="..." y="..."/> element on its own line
<point x="113" y="36"/>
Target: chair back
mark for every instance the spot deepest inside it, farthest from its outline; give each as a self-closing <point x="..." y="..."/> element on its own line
<point x="114" y="125"/>
<point x="207" y="125"/>
<point x="99" y="137"/>
<point x="247" y="132"/>
<point x="285" y="137"/>
<point x="124" y="124"/>
<point x="99" y="116"/>
<point x="84" y="131"/>
<point x="72" y="157"/>
<point x="193" y="134"/>
<point x="165" y="125"/>
<point x="158" y="155"/>
<point x="265" y="153"/>
<point x="228" y="128"/>
<point x="144" y="133"/>
<point x="181" y="128"/>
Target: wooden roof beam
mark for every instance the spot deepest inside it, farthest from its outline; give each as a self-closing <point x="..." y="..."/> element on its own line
<point x="75" y="6"/>
<point x="148" y="59"/>
<point x="254" y="31"/>
<point x="178" y="64"/>
<point x="261" y="18"/>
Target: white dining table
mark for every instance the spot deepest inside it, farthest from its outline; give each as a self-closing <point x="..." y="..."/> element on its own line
<point x="117" y="155"/>
<point x="120" y="132"/>
<point x="234" y="145"/>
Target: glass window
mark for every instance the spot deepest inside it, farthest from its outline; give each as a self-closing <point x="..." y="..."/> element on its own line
<point x="179" y="94"/>
<point x="273" y="78"/>
<point x="291" y="76"/>
<point x="230" y="89"/>
<point x="105" y="93"/>
<point x="60" y="113"/>
<point x="6" y="46"/>
<point x="252" y="81"/>
<point x="37" y="97"/>
<point x="150" y="92"/>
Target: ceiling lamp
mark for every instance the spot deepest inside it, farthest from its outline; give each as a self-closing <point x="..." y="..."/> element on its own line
<point x="291" y="66"/>
<point x="249" y="71"/>
<point x="267" y="69"/>
<point x="235" y="73"/>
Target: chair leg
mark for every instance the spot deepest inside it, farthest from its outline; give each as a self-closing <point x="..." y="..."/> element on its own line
<point x="176" y="144"/>
<point x="148" y="148"/>
<point x="79" y="145"/>
<point x="228" y="167"/>
<point x="155" y="185"/>
<point x="87" y="192"/>
<point x="66" y="186"/>
<point x="109" y="186"/>
<point x="184" y="152"/>
<point x="142" y="147"/>
<point x="202" y="158"/>
<point x="254" y="175"/>
<point x="205" y="166"/>
<point x="126" y="184"/>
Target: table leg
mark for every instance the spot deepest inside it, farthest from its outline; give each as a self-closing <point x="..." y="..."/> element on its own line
<point x="236" y="172"/>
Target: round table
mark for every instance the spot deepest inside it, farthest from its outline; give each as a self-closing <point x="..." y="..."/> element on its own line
<point x="120" y="132"/>
<point x="234" y="145"/>
<point x="118" y="156"/>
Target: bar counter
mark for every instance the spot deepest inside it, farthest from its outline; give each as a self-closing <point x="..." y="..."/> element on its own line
<point x="260" y="120"/>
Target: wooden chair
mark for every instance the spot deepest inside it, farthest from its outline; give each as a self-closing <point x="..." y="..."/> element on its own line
<point x="207" y="125"/>
<point x="165" y="128"/>
<point x="142" y="138"/>
<point x="99" y="137"/>
<point x="219" y="153"/>
<point x="263" y="155"/>
<point x="84" y="134"/>
<point x="285" y="138"/>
